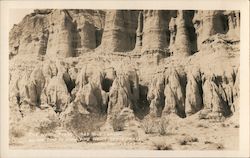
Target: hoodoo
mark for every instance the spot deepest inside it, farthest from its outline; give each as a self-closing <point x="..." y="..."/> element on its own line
<point x="139" y="30"/>
<point x="154" y="31"/>
<point x="60" y="35"/>
<point x="86" y="32"/>
<point x="148" y="74"/>
<point x="119" y="31"/>
<point x="209" y="23"/>
<point x="233" y="24"/>
<point x="183" y="46"/>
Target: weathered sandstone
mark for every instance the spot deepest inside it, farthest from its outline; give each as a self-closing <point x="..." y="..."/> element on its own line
<point x="123" y="63"/>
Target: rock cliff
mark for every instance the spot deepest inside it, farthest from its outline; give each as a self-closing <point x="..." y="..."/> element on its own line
<point x="120" y="30"/>
<point x="152" y="62"/>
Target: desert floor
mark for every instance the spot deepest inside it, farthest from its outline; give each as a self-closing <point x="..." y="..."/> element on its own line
<point x="181" y="134"/>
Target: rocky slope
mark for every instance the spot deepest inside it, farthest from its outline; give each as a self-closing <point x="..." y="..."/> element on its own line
<point x="99" y="62"/>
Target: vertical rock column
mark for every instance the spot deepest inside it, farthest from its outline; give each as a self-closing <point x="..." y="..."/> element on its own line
<point x="182" y="40"/>
<point x="233" y="24"/>
<point x="60" y="36"/>
<point x="88" y="39"/>
<point x="208" y="23"/>
<point x="156" y="95"/>
<point x="193" y="100"/>
<point x="173" y="29"/>
<point x="43" y="43"/>
<point x="154" y="31"/>
<point x="85" y="37"/>
<point x="117" y="31"/>
<point x="139" y="30"/>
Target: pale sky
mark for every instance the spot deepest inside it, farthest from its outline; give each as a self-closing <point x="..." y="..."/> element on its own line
<point x="16" y="16"/>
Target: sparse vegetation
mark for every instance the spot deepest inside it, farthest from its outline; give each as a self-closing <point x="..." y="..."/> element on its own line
<point x="155" y="125"/>
<point x="213" y="145"/>
<point x="224" y="125"/>
<point x="16" y="132"/>
<point x="163" y="126"/>
<point x="188" y="139"/>
<point x="134" y="135"/>
<point x="236" y="126"/>
<point x="161" y="145"/>
<point x="202" y="125"/>
<point x="219" y="146"/>
<point x="148" y="126"/>
<point x="82" y="126"/>
<point x="207" y="142"/>
<point x="48" y="126"/>
<point x="118" y="123"/>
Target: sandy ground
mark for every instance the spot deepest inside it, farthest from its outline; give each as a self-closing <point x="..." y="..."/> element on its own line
<point x="182" y="134"/>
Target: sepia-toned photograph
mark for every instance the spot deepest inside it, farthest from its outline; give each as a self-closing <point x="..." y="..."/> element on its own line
<point x="124" y="79"/>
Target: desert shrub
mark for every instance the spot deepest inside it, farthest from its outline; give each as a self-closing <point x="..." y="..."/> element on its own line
<point x="207" y="142"/>
<point x="163" y="126"/>
<point x="16" y="132"/>
<point x="214" y="145"/>
<point x="161" y="145"/>
<point x="148" y="126"/>
<point x="236" y="126"/>
<point x="203" y="114"/>
<point x="182" y="142"/>
<point x="188" y="139"/>
<point x="219" y="146"/>
<point x="202" y="125"/>
<point x="82" y="126"/>
<point x="118" y="123"/>
<point x="224" y="125"/>
<point x="48" y="126"/>
<point x="134" y="135"/>
<point x="155" y="125"/>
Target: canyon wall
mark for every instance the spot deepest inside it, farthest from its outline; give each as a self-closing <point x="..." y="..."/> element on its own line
<point x="60" y="34"/>
<point x="94" y="61"/>
<point x="154" y="30"/>
<point x="120" y="30"/>
<point x="68" y="33"/>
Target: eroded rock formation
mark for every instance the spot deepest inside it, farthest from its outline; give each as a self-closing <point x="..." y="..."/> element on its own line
<point x="92" y="62"/>
<point x="124" y="93"/>
<point x="30" y="36"/>
<point x="67" y="33"/>
<point x="120" y="30"/>
<point x="60" y="36"/>
<point x="185" y="36"/>
<point x="156" y="95"/>
<point x="209" y="23"/>
<point x="194" y="101"/>
<point x="233" y="24"/>
<point x="154" y="31"/>
<point x="139" y="30"/>
<point x="88" y="91"/>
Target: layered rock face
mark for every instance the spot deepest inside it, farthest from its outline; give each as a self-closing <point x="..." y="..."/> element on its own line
<point x="120" y="30"/>
<point x="30" y="36"/>
<point x="194" y="93"/>
<point x="88" y="31"/>
<point x="123" y="94"/>
<point x="57" y="33"/>
<point x="233" y="23"/>
<point x="139" y="31"/>
<point x="92" y="62"/>
<point x="60" y="35"/>
<point x="208" y="23"/>
<point x="154" y="30"/>
<point x="67" y="33"/>
<point x="184" y="43"/>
